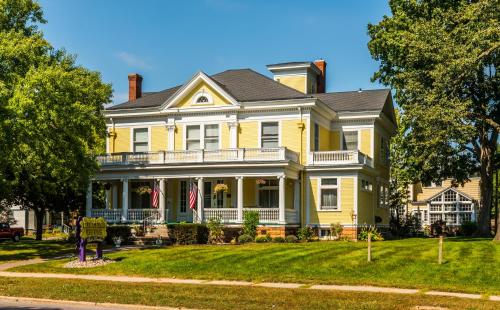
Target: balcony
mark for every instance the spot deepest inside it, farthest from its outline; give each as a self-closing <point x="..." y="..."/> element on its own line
<point x="333" y="158"/>
<point x="200" y="156"/>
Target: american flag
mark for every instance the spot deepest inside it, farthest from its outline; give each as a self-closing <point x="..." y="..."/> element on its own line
<point x="155" y="195"/>
<point x="193" y="196"/>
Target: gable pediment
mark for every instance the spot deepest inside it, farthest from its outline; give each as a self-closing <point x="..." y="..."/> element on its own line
<point x="199" y="92"/>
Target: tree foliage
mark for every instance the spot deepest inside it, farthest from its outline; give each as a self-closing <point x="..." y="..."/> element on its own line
<point x="442" y="58"/>
<point x="50" y="116"/>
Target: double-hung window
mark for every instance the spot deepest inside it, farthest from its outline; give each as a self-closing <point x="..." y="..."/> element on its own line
<point x="329" y="194"/>
<point x="269" y="194"/>
<point x="212" y="137"/>
<point x="269" y="134"/>
<point x="193" y="137"/>
<point x="350" y="140"/>
<point x="140" y="142"/>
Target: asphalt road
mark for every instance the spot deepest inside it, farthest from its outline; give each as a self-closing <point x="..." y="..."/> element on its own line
<point x="7" y="304"/>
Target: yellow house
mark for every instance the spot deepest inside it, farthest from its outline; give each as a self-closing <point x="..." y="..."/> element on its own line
<point x="282" y="146"/>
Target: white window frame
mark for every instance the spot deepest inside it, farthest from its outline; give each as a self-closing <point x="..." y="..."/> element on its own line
<point x="369" y="183"/>
<point x="202" y="134"/>
<point x="132" y="142"/>
<point x="202" y="93"/>
<point x="258" y="188"/>
<point x="342" y="140"/>
<point x="319" y="207"/>
<point x="260" y="131"/>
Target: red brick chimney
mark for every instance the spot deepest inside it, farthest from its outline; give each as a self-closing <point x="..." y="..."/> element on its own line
<point x="134" y="86"/>
<point x="321" y="79"/>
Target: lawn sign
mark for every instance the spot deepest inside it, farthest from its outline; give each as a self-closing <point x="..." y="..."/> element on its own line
<point x="90" y="230"/>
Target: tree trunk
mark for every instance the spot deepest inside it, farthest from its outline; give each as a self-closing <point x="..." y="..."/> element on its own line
<point x="497" y="235"/>
<point x="39" y="215"/>
<point x="484" y="219"/>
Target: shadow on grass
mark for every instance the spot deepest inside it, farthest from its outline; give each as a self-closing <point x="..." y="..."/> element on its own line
<point x="29" y="249"/>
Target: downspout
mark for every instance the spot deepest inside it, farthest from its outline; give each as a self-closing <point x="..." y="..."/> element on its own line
<point x="302" y="173"/>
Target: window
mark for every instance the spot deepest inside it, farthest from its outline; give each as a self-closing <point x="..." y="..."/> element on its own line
<point x="220" y="196"/>
<point x="436" y="208"/>
<point x="269" y="194"/>
<point x="269" y="134"/>
<point x="138" y="200"/>
<point x="207" y="194"/>
<point x="450" y="196"/>
<point x="193" y="137"/>
<point x="366" y="185"/>
<point x="316" y="137"/>
<point x="384" y="151"/>
<point x="202" y="99"/>
<point x="141" y="143"/>
<point x="211" y="137"/>
<point x="183" y="198"/>
<point x="350" y="140"/>
<point x="329" y="194"/>
<point x="451" y="206"/>
<point x="383" y="195"/>
<point x="450" y="218"/>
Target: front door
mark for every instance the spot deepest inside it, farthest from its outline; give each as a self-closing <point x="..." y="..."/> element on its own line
<point x="185" y="214"/>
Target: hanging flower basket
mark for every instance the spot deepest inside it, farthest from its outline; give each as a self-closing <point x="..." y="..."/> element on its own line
<point x="141" y="190"/>
<point x="260" y="182"/>
<point x="221" y="188"/>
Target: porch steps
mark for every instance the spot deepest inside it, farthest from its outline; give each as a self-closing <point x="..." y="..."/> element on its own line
<point x="150" y="240"/>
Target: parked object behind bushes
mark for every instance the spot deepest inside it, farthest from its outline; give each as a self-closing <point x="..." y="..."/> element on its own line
<point x="6" y="232"/>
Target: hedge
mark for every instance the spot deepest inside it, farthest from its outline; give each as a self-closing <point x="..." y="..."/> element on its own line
<point x="188" y="233"/>
<point x="123" y="231"/>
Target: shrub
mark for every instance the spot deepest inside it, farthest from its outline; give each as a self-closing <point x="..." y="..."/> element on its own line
<point x="375" y="234"/>
<point x="250" y="222"/>
<point x="291" y="239"/>
<point x="279" y="239"/>
<point x="188" y="233"/>
<point x="305" y="233"/>
<point x="115" y="231"/>
<point x="336" y="230"/>
<point x="438" y="228"/>
<point x="215" y="231"/>
<point x="468" y="228"/>
<point x="245" y="239"/>
<point x="407" y="225"/>
<point x="264" y="239"/>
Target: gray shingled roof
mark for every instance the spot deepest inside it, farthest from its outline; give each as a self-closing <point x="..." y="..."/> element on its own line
<point x="351" y="101"/>
<point x="248" y="85"/>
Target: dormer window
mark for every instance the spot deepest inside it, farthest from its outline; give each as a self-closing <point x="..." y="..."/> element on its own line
<point x="202" y="97"/>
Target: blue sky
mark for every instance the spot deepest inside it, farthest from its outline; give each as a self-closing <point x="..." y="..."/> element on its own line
<point x="169" y="41"/>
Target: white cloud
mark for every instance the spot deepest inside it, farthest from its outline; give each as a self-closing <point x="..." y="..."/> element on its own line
<point x="133" y="60"/>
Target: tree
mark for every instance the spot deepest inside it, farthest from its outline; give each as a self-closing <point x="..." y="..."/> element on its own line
<point x="50" y="116"/>
<point x="442" y="58"/>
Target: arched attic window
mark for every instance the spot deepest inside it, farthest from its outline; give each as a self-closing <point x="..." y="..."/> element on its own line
<point x="202" y="97"/>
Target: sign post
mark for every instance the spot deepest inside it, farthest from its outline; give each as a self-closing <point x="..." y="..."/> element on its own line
<point x="90" y="230"/>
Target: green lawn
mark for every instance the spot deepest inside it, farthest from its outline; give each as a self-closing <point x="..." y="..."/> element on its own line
<point x="224" y="297"/>
<point x="470" y="265"/>
<point x="28" y="248"/>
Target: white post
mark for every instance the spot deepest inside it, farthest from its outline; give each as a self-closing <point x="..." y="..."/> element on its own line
<point x="88" y="206"/>
<point x="200" y="200"/>
<point x="240" y="199"/>
<point x="125" y="200"/>
<point x="162" y="200"/>
<point x="296" y="198"/>
<point x="108" y="198"/>
<point x="282" y="199"/>
<point x="171" y="136"/>
<point x="115" y="196"/>
<point x="233" y="134"/>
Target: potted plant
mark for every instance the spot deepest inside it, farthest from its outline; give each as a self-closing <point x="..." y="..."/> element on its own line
<point x="118" y="241"/>
<point x="260" y="181"/>
<point x="141" y="190"/>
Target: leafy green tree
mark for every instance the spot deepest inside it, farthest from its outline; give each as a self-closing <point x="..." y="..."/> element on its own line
<point x="442" y="58"/>
<point x="50" y="115"/>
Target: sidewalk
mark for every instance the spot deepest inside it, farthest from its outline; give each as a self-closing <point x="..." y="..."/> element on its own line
<point x="350" y="288"/>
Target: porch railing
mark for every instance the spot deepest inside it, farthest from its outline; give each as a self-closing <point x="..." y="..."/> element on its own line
<point x="226" y="215"/>
<point x="200" y="156"/>
<point x="139" y="215"/>
<point x="339" y="158"/>
<point x="111" y="216"/>
<point x="266" y="215"/>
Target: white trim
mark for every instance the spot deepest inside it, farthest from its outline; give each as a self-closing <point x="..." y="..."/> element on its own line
<point x="338" y="187"/>
<point x="259" y="136"/>
<point x="308" y="200"/>
<point x="187" y="87"/>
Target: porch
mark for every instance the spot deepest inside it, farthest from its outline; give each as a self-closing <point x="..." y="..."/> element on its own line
<point x="275" y="198"/>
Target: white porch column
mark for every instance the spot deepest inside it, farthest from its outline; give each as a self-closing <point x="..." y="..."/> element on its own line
<point x="296" y="198"/>
<point x="200" y="200"/>
<point x="240" y="199"/>
<point x="88" y="205"/>
<point x="115" y="196"/>
<point x="233" y="134"/>
<point x="281" y="199"/>
<point x="108" y="198"/>
<point x="171" y="136"/>
<point x="125" y="200"/>
<point x="162" y="200"/>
